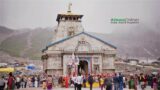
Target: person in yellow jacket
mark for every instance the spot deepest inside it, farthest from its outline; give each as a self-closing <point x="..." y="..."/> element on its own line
<point x="101" y="82"/>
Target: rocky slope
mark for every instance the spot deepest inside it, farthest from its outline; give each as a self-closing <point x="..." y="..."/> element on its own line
<point x="138" y="41"/>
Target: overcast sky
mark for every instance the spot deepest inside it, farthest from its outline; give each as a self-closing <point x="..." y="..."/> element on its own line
<point x="18" y="14"/>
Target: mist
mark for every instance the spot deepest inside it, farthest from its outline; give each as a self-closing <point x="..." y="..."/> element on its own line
<point x="17" y="14"/>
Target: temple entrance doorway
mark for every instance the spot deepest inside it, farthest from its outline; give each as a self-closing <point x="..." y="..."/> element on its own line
<point x="83" y="67"/>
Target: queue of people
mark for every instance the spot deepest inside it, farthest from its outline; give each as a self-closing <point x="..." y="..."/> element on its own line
<point x="117" y="81"/>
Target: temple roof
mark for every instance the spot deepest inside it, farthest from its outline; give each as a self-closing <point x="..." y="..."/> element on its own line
<point x="88" y="34"/>
<point x="68" y="15"/>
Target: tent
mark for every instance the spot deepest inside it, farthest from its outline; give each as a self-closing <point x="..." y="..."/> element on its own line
<point x="6" y="70"/>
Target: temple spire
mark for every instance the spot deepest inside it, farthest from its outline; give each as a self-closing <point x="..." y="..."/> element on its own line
<point x="69" y="7"/>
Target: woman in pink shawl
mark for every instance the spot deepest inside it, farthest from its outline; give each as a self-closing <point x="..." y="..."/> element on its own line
<point x="49" y="82"/>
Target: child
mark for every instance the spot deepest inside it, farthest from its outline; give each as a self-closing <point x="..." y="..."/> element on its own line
<point x="44" y="85"/>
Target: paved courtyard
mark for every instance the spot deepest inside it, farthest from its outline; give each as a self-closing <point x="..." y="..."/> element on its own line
<point x="148" y="88"/>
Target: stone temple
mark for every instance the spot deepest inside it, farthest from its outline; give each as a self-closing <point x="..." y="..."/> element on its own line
<point x="75" y="51"/>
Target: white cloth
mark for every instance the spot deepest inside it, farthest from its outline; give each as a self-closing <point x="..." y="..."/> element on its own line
<point x="79" y="80"/>
<point x="36" y="83"/>
<point x="74" y="79"/>
<point x="18" y="79"/>
<point x="124" y="79"/>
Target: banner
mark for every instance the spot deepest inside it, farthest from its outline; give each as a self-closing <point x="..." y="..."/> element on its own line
<point x="6" y="69"/>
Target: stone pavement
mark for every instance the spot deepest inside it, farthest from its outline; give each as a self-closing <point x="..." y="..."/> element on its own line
<point x="148" y="88"/>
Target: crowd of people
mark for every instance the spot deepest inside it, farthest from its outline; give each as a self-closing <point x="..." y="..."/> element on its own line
<point x="119" y="81"/>
<point x="115" y="81"/>
<point x="12" y="82"/>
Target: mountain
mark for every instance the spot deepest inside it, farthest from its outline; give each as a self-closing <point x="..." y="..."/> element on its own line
<point x="137" y="41"/>
<point x="27" y="43"/>
<point x="4" y="33"/>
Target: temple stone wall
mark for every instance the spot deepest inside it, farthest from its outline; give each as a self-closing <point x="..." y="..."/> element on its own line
<point x="54" y="65"/>
<point x="108" y="63"/>
<point x="66" y="26"/>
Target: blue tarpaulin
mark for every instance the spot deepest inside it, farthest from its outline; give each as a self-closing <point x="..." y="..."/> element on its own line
<point x="31" y="67"/>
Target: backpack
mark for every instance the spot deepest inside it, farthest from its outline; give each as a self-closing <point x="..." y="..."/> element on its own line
<point x="84" y="80"/>
<point x="158" y="81"/>
<point x="90" y="79"/>
<point x="108" y="82"/>
<point x="132" y="84"/>
<point x="22" y="80"/>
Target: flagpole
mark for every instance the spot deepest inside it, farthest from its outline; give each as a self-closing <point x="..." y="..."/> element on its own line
<point x="76" y="69"/>
<point x="75" y="63"/>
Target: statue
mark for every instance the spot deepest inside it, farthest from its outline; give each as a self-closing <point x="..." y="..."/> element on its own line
<point x="69" y="7"/>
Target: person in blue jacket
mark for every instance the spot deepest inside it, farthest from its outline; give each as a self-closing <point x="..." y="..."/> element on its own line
<point x="120" y="81"/>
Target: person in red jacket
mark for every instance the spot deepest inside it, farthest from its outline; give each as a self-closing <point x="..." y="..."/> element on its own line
<point x="66" y="81"/>
<point x="11" y="82"/>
